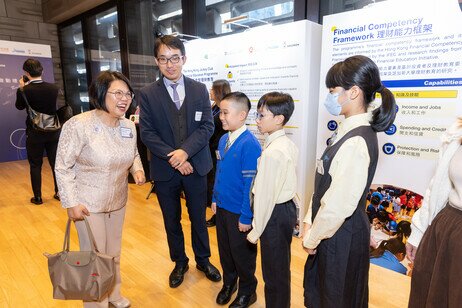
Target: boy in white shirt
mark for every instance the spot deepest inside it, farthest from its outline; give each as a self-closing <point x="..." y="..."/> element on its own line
<point x="274" y="188"/>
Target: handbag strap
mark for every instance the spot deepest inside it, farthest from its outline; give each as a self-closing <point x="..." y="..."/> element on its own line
<point x="25" y="98"/>
<point x="31" y="112"/>
<point x="67" y="236"/>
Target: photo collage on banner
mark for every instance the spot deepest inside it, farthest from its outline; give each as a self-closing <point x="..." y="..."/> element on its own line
<point x="264" y="59"/>
<point x="417" y="46"/>
<point x="12" y="57"/>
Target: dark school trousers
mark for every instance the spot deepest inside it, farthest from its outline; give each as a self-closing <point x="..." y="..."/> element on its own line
<point x="275" y="254"/>
<point x="237" y="255"/>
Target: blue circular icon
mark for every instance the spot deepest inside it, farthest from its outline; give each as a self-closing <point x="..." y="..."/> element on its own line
<point x="388" y="148"/>
<point x="397" y="108"/>
<point x="332" y="125"/>
<point x="391" y="130"/>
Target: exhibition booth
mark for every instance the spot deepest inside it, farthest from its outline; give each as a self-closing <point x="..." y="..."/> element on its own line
<point x="417" y="46"/>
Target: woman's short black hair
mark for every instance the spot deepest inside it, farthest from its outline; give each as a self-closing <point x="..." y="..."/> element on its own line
<point x="33" y="67"/>
<point x="278" y="103"/>
<point x="101" y="85"/>
<point x="169" y="41"/>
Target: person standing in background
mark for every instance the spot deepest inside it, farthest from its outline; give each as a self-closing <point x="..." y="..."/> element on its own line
<point x="42" y="97"/>
<point x="337" y="230"/>
<point x="176" y="125"/>
<point x="96" y="151"/>
<point x="219" y="89"/>
<point x="434" y="244"/>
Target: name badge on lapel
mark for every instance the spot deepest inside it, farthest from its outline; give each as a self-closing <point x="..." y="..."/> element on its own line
<point x="198" y="116"/>
<point x="126" y="132"/>
<point x="320" y="166"/>
<point x="217" y="153"/>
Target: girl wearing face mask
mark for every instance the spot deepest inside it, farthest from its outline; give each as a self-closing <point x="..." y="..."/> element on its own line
<point x="337" y="231"/>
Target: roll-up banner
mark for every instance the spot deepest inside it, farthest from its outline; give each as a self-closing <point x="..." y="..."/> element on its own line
<point x="417" y="46"/>
<point x="12" y="121"/>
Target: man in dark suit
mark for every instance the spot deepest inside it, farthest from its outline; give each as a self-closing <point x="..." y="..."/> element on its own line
<point x="176" y="124"/>
<point x="43" y="97"/>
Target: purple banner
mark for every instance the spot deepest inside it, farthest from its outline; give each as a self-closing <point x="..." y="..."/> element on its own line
<point x="12" y="120"/>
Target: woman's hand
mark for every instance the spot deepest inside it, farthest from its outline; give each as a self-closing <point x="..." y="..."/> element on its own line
<point x="410" y="251"/>
<point x="77" y="212"/>
<point x="139" y="177"/>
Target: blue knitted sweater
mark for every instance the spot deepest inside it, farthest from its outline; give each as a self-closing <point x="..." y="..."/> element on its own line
<point x="236" y="169"/>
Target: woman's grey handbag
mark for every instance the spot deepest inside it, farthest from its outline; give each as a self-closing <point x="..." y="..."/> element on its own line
<point x="84" y="275"/>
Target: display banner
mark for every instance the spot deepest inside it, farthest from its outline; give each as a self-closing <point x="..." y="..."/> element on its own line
<point x="269" y="58"/>
<point x="12" y="121"/>
<point x="417" y="46"/>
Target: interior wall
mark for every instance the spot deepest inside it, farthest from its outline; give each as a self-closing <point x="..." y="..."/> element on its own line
<point x="22" y="21"/>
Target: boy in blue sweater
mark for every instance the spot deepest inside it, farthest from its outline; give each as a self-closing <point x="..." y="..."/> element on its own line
<point x="237" y="155"/>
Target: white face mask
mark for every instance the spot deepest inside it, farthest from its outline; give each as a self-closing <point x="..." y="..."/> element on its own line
<point x="332" y="105"/>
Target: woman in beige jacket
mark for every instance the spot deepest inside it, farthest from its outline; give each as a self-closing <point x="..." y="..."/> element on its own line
<point x="96" y="151"/>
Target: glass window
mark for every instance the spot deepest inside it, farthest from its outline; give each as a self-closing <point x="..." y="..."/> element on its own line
<point x="74" y="71"/>
<point x="104" y="43"/>
<point x="140" y="38"/>
<point x="231" y="16"/>
<point x="167" y="16"/>
<point x="145" y="19"/>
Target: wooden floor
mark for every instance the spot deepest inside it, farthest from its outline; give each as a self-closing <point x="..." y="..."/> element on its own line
<point x="26" y="231"/>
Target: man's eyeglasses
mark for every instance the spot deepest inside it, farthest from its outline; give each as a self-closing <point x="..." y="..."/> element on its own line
<point x="174" y="60"/>
<point x="120" y="95"/>
<point x="260" y="116"/>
